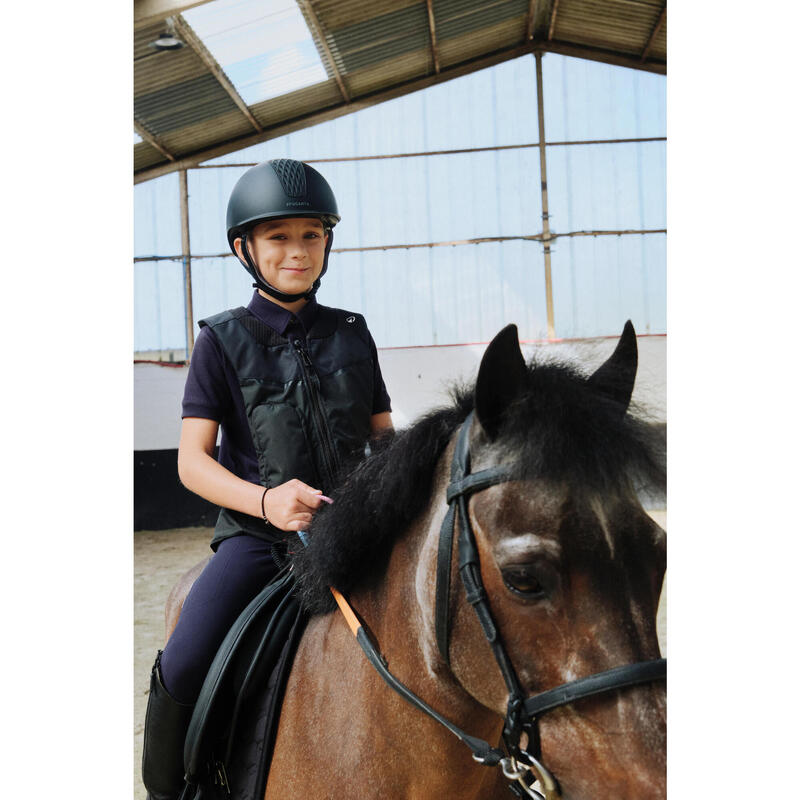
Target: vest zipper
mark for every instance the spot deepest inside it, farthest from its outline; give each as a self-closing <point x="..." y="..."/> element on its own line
<point x="311" y="381"/>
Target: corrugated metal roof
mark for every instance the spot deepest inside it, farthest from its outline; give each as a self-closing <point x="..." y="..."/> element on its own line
<point x="379" y="38"/>
<point x="201" y="134"/>
<point x="183" y="104"/>
<point x="473" y="44"/>
<point x="304" y="101"/>
<point x="145" y="155"/>
<point x="455" y="18"/>
<point x="371" y="50"/>
<point x="342" y="13"/>
<point x="613" y="24"/>
<point x="404" y="67"/>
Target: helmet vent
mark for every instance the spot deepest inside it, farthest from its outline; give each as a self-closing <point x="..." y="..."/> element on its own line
<point x="292" y="176"/>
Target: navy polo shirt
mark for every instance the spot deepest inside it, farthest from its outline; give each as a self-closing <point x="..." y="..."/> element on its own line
<point x="212" y="389"/>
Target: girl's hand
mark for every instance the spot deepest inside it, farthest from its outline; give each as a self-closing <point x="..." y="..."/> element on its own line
<point x="291" y="505"/>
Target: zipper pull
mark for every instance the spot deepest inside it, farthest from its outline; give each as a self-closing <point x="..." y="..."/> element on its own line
<point x="221" y="777"/>
<point x="300" y="349"/>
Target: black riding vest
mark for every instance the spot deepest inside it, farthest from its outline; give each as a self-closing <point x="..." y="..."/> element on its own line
<point x="308" y="401"/>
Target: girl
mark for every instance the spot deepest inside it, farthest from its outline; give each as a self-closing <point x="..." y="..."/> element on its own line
<point x="296" y="389"/>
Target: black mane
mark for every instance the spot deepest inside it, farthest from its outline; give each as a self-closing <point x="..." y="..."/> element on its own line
<point x="560" y="428"/>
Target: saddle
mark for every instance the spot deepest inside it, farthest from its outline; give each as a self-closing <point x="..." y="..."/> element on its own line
<point x="232" y="732"/>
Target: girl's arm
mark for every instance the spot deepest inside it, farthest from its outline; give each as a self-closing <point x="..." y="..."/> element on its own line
<point x="289" y="506"/>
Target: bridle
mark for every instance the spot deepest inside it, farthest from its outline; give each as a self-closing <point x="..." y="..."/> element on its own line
<point x="521" y="766"/>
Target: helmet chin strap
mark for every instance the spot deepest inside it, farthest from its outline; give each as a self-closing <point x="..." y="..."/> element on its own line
<point x="260" y="283"/>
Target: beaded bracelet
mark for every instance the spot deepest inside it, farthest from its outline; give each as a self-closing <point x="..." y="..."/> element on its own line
<point x="263" y="512"/>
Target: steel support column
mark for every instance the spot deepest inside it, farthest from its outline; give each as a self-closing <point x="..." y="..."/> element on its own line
<point x="548" y="277"/>
<point x="186" y="250"/>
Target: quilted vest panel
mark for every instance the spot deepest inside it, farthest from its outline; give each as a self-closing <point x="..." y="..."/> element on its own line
<point x="308" y="401"/>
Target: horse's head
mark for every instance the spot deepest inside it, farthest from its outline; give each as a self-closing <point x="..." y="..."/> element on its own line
<point x="571" y="563"/>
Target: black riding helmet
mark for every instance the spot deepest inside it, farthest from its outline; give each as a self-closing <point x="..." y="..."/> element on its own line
<point x="278" y="189"/>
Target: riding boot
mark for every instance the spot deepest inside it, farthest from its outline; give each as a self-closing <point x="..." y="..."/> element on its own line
<point x="165" y="729"/>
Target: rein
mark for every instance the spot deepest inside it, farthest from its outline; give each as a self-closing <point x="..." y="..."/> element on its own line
<point x="522" y="714"/>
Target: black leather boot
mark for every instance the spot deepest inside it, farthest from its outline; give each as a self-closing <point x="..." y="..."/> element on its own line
<point x="164" y="734"/>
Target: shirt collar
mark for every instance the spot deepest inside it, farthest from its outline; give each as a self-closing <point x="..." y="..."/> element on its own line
<point x="279" y="318"/>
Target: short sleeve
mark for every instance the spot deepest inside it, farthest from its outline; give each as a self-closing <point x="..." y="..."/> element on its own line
<point x="381" y="401"/>
<point x="207" y="393"/>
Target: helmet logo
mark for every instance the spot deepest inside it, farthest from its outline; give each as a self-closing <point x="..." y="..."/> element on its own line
<point x="350" y="319"/>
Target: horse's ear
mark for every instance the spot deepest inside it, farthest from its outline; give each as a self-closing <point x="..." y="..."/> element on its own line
<point x="615" y="377"/>
<point x="501" y="378"/>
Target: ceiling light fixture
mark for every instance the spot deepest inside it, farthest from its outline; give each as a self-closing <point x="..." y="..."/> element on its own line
<point x="167" y="41"/>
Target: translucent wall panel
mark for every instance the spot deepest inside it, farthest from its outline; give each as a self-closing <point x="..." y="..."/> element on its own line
<point x="599" y="282"/>
<point x="209" y="190"/>
<point x="218" y="284"/>
<point x="607" y="186"/>
<point x="398" y="201"/>
<point x="491" y="107"/>
<point x="412" y="297"/>
<point x="495" y="106"/>
<point x="158" y="319"/>
<point x="157" y="217"/>
<point x="588" y="100"/>
<point x="441" y="295"/>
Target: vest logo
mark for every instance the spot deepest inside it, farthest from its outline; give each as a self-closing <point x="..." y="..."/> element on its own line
<point x="350" y="319"/>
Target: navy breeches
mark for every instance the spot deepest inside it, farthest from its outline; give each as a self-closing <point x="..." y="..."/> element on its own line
<point x="240" y="568"/>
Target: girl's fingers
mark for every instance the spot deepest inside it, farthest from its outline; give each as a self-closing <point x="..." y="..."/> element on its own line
<point x="304" y="487"/>
<point x="310" y="498"/>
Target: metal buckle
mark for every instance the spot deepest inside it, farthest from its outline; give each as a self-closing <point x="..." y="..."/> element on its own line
<point x="517" y="771"/>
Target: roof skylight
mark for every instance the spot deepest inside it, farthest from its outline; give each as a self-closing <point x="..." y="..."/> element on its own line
<point x="264" y="46"/>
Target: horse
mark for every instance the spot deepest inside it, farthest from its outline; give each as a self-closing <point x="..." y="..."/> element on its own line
<point x="538" y="468"/>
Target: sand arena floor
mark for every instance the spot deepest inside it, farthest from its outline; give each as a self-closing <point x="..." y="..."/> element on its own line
<point x="160" y="558"/>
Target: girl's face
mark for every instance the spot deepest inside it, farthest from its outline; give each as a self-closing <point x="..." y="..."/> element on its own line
<point x="289" y="253"/>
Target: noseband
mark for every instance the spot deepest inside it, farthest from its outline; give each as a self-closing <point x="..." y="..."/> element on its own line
<point x="522" y="713"/>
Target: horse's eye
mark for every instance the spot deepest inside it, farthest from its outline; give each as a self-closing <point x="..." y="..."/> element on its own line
<point x="523" y="581"/>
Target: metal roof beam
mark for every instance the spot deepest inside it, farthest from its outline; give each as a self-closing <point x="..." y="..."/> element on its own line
<point x="641" y="3"/>
<point x="321" y="41"/>
<point x="530" y="26"/>
<point x="432" y="28"/>
<point x="604" y="56"/>
<point x="146" y="12"/>
<point x="656" y="28"/>
<point x="456" y="71"/>
<point x="553" y="14"/>
<point x="185" y="32"/>
<point x="152" y="140"/>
